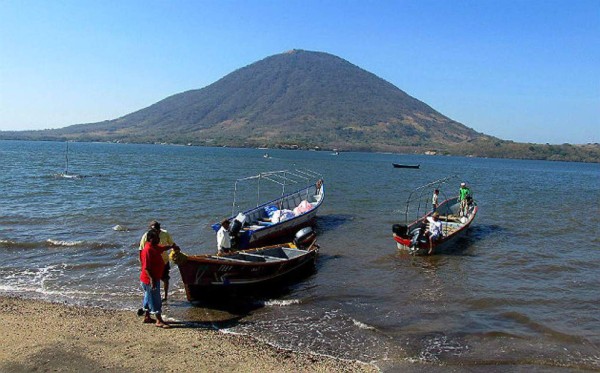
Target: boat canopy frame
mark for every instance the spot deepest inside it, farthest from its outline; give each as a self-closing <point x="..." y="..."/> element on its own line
<point x="419" y="199"/>
<point x="284" y="178"/>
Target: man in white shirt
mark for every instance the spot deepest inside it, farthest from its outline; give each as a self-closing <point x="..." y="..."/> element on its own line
<point x="434" y="199"/>
<point x="435" y="229"/>
<point x="223" y="239"/>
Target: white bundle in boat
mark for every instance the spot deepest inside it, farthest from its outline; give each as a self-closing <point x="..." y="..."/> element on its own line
<point x="281" y="215"/>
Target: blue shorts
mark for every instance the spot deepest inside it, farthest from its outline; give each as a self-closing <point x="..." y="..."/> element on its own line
<point x="152" y="301"/>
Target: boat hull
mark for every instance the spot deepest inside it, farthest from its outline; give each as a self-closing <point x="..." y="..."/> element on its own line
<point x="398" y="165"/>
<point x="208" y="277"/>
<point x="281" y="230"/>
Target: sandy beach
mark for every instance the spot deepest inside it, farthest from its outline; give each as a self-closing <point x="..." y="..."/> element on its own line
<point x="39" y="336"/>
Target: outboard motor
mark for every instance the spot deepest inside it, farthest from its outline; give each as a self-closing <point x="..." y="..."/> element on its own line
<point x="304" y="237"/>
<point x="400" y="230"/>
<point x="418" y="236"/>
<point x="237" y="224"/>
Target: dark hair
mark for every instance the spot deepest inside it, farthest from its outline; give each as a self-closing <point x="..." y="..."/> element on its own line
<point x="152" y="236"/>
<point x="154" y="225"/>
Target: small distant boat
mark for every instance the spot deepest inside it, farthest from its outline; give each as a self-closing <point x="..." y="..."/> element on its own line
<point x="399" y="165"/>
<point x="410" y="236"/>
<point x="280" y="217"/>
<point x="247" y="272"/>
<point x="266" y="155"/>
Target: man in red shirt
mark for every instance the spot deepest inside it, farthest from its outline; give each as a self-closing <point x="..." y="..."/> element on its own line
<point x="151" y="272"/>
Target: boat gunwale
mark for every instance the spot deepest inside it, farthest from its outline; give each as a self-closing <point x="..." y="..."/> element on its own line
<point x="214" y="259"/>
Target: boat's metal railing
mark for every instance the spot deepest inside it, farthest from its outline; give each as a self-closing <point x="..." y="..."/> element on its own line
<point x="420" y="198"/>
<point x="283" y="178"/>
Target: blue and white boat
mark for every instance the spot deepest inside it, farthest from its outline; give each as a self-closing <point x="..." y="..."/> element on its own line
<point x="279" y="218"/>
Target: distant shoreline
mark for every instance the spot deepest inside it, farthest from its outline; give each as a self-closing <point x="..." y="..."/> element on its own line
<point x="500" y="149"/>
<point x="55" y="337"/>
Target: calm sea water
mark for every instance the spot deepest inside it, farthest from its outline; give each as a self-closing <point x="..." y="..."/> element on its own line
<point x="521" y="291"/>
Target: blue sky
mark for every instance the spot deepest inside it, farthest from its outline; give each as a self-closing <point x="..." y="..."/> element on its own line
<point x="522" y="70"/>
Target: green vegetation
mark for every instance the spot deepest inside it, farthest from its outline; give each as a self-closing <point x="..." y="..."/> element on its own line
<point x="303" y="99"/>
<point x="510" y="149"/>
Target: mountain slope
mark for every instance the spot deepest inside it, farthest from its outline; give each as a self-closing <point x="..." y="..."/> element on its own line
<point x="304" y="99"/>
<point x="298" y="97"/>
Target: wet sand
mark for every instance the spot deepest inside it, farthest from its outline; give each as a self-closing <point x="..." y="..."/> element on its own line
<point x="39" y="336"/>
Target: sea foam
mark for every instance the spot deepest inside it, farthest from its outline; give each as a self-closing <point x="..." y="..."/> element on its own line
<point x="362" y="325"/>
<point x="281" y="303"/>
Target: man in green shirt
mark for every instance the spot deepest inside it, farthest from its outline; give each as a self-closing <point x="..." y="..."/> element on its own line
<point x="464" y="193"/>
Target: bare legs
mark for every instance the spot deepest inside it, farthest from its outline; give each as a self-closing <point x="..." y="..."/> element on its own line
<point x="166" y="282"/>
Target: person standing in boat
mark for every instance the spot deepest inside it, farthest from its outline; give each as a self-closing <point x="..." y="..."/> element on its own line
<point x="464" y="195"/>
<point x="223" y="238"/>
<point x="165" y="240"/>
<point x="434" y="199"/>
<point x="434" y="232"/>
<point x="152" y="267"/>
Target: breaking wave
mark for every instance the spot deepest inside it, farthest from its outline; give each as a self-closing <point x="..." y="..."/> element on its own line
<point x="52" y="242"/>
